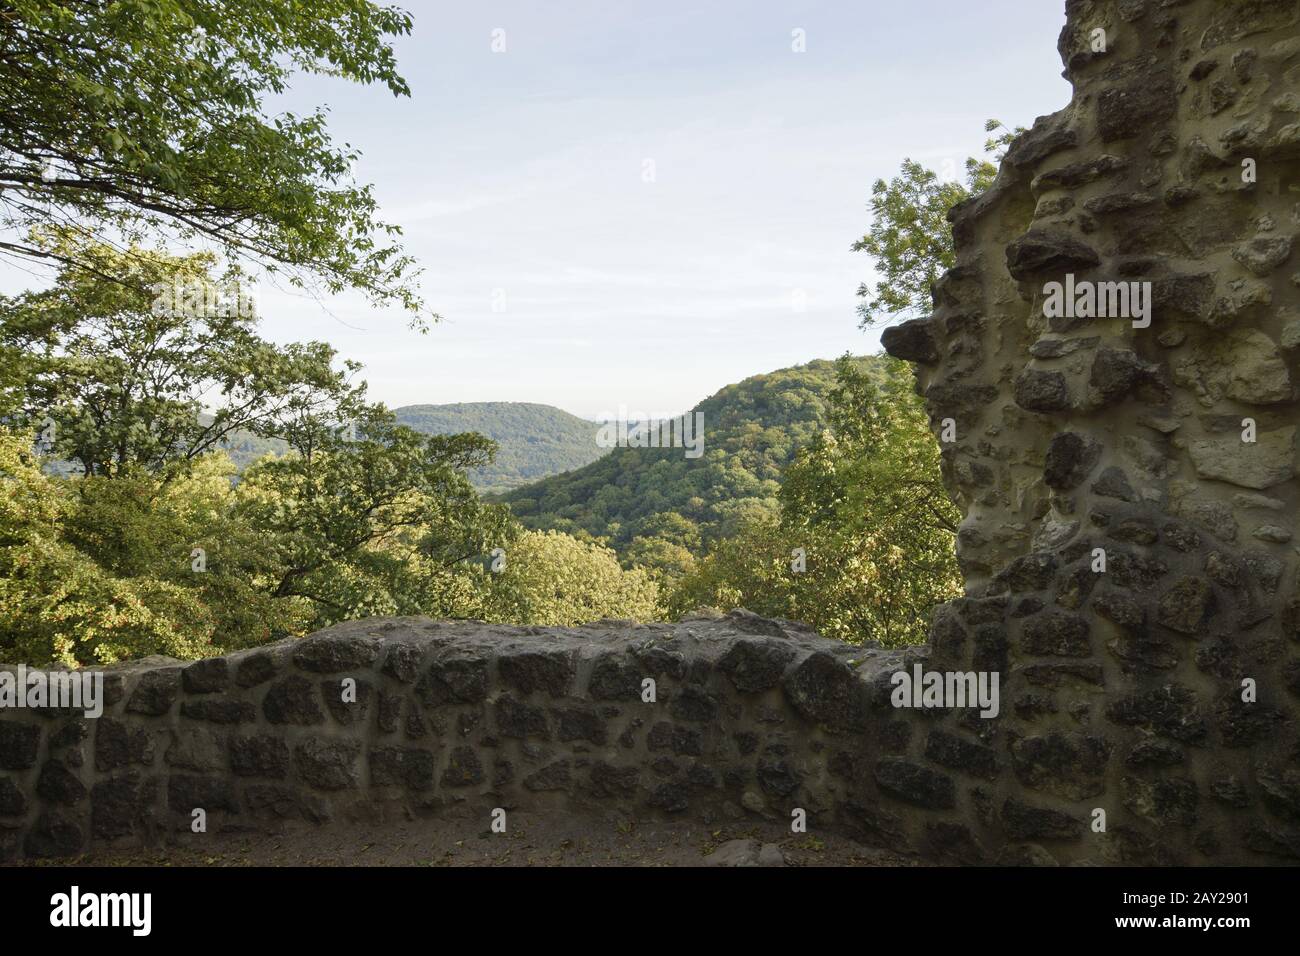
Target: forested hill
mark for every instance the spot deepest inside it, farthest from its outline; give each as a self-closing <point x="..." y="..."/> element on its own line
<point x="533" y="441"/>
<point x="751" y="432"/>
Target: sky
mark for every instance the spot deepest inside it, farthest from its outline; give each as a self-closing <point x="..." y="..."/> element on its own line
<point x="636" y="203"/>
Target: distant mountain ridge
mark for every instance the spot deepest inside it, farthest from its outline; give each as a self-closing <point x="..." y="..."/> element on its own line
<point x="534" y="441"/>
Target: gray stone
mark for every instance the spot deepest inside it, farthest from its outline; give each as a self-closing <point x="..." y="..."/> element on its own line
<point x="957" y="753"/>
<point x="19" y="745"/>
<point x="754" y="666"/>
<point x="118" y="745"/>
<point x="1037" y="391"/>
<point x="255" y="669"/>
<point x="464" y="769"/>
<point x="206" y="676"/>
<point x="913" y="341"/>
<point x="335" y="651"/>
<point x="1259" y="465"/>
<point x="555" y="776"/>
<point x="455" y="678"/>
<point x="186" y="793"/>
<point x="613" y="677"/>
<point x="194" y="748"/>
<point x="262" y="755"/>
<point x="1060" y="348"/>
<point x="55" y="833"/>
<point x="1042" y="252"/>
<point x="396" y="766"/>
<point x="1116" y="372"/>
<point x="293" y="700"/>
<point x="121" y="806"/>
<point x="12" y="800"/>
<point x="519" y="720"/>
<point x="1127" y="111"/>
<point x="693" y="704"/>
<point x="528" y="671"/>
<point x="1291" y="335"/>
<point x="57" y="784"/>
<point x="1070" y="457"/>
<point x="1187" y="605"/>
<point x="156" y="692"/>
<point x="1023" y="821"/>
<point x="1113" y="483"/>
<point x="745" y="853"/>
<point x="1069" y="765"/>
<point x="577" y="723"/>
<point x="353" y="710"/>
<point x="328" y="764"/>
<point x="219" y="711"/>
<point x="1169" y="710"/>
<point x="824" y="690"/>
<point x="402" y="662"/>
<point x="915" y="784"/>
<point x="1263" y="254"/>
<point x="1056" y="633"/>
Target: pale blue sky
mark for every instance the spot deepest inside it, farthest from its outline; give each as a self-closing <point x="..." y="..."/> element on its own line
<point x="519" y="178"/>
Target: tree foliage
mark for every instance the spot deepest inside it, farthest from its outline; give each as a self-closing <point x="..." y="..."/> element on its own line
<point x="148" y="117"/>
<point x="123" y="375"/>
<point x="657" y="500"/>
<point x="863" y="545"/>
<point x="554" y="579"/>
<point x="152" y="546"/>
<point x="909" y="240"/>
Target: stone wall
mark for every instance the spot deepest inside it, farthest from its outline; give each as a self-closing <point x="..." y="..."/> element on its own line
<point x="1164" y="688"/>
<point x="749" y="716"/>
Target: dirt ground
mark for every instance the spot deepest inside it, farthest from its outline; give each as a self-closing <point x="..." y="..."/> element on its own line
<point x="530" y="840"/>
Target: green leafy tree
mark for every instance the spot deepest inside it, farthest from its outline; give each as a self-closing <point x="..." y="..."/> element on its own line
<point x="551" y="578"/>
<point x="151" y="546"/>
<point x="909" y="240"/>
<point x="98" y="569"/>
<point x="363" y="526"/>
<point x="148" y="117"/>
<point x="863" y="546"/>
<point x="123" y="370"/>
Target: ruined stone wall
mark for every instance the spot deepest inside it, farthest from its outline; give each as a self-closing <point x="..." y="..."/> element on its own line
<point x="1167" y="450"/>
<point x="452" y="720"/>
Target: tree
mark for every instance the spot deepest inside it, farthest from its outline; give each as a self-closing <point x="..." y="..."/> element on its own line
<point x="909" y="239"/>
<point x="550" y="578"/>
<point x="143" y="117"/>
<point x="96" y="569"/>
<point x="123" y="370"/>
<point x="373" y="524"/>
<point x="863" y="546"/>
<point x="152" y="547"/>
<point x="750" y="569"/>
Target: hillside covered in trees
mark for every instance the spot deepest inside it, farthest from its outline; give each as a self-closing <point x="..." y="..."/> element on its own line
<point x="752" y="430"/>
<point x="533" y="441"/>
